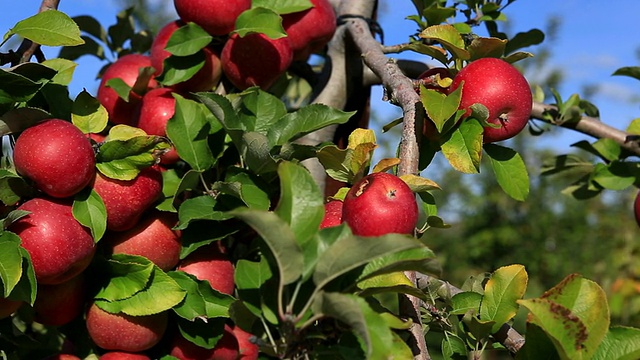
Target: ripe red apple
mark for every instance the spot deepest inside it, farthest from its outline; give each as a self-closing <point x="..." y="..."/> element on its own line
<point x="60" y="248"/>
<point x="8" y="307"/>
<point x="158" y="106"/>
<point x="212" y="264"/>
<point x="226" y="348"/>
<point x="125" y="332"/>
<point x="217" y="17"/>
<point x="63" y="357"/>
<point x="152" y="238"/>
<point x="56" y="156"/>
<point x="255" y="60"/>
<point x="121" y="355"/>
<point x="378" y="204"/>
<point x="332" y="214"/>
<point x="127" y="200"/>
<point x="205" y="79"/>
<point x="310" y="30"/>
<point x="248" y="349"/>
<point x="500" y="87"/>
<point x="58" y="304"/>
<point x="126" y="68"/>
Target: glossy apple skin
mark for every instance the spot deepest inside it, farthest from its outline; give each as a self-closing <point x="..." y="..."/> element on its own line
<point x="58" y="304"/>
<point x="126" y="68"/>
<point x="248" y="350"/>
<point x="8" y="307"/>
<point x="56" y="156"/>
<point x="310" y="30"/>
<point x="332" y="214"/>
<point x="255" y="60"/>
<point x="205" y="79"/>
<point x="60" y="248"/>
<point x="124" y="332"/>
<point x="500" y="87"/>
<point x="379" y="204"/>
<point x="152" y="238"/>
<point x="158" y="106"/>
<point x="120" y="355"/>
<point x="217" y="17"/>
<point x="226" y="348"/>
<point x="212" y="264"/>
<point x="127" y="200"/>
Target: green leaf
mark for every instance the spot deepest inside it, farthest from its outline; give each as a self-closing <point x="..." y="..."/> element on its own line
<point x="188" y="40"/>
<point x="252" y="274"/>
<point x="505" y="286"/>
<point x="64" y="69"/>
<point x="440" y="107"/>
<point x="261" y="111"/>
<point x="280" y="239"/>
<point x="613" y="176"/>
<point x="467" y="301"/>
<point x="255" y="151"/>
<point x="10" y="262"/>
<point x="245" y="186"/>
<point x="631" y="71"/>
<point x="188" y="130"/>
<point x="15" y="87"/>
<point x="453" y="345"/>
<point x="88" y="114"/>
<point x="12" y="187"/>
<point x="123" y="30"/>
<point x="90" y="211"/>
<point x="449" y="37"/>
<point x="49" y="28"/>
<point x="482" y="47"/>
<point x="608" y="149"/>
<point x="177" y="69"/>
<point x="123" y="159"/>
<point x="128" y="275"/>
<point x="260" y="20"/>
<point x="437" y="14"/>
<point x="200" y="208"/>
<point x="620" y="343"/>
<point x="201" y="300"/>
<point x="418" y="259"/>
<point x="283" y="6"/>
<point x="301" y="203"/>
<point x="303" y="121"/>
<point x="524" y="39"/>
<point x="90" y="47"/>
<point x="510" y="170"/>
<point x="463" y="147"/>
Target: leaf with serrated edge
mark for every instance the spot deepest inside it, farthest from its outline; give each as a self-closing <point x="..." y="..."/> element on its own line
<point x="505" y="286"/>
<point x="49" y="28"/>
<point x="510" y="170"/>
<point x="90" y="211"/>
<point x="620" y="343"/>
<point x="88" y="114"/>
<point x="201" y="301"/>
<point x="463" y="148"/>
<point x="188" y="130"/>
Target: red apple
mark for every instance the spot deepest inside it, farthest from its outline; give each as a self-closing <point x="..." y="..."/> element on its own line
<point x="56" y="156"/>
<point x="152" y="238"/>
<point x="126" y="68"/>
<point x="212" y="264"/>
<point x="332" y="214"/>
<point x="378" y="204"/>
<point x="255" y="60"/>
<point x="205" y="79"/>
<point x="8" y="307"/>
<point x="500" y="87"/>
<point x="217" y="17"/>
<point x="431" y="76"/>
<point x="63" y="357"/>
<point x="158" y="106"/>
<point x="127" y="200"/>
<point x="125" y="332"/>
<point x="636" y="208"/>
<point x="60" y="248"/>
<point x="310" y="30"/>
<point x="248" y="349"/>
<point x="58" y="304"/>
<point x="226" y="348"/>
<point x="120" y="355"/>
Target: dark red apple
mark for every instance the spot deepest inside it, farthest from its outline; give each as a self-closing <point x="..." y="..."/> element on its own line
<point x="58" y="304"/>
<point x="226" y="348"/>
<point x="127" y="200"/>
<point x="310" y="30"/>
<point x="56" y="156"/>
<point x="255" y="60"/>
<point x="212" y="264"/>
<point x="158" y="106"/>
<point x="126" y="68"/>
<point x="332" y="214"/>
<point x="63" y="357"/>
<point x="248" y="350"/>
<point x="120" y="355"/>
<point x="380" y="203"/>
<point x="636" y="208"/>
<point x="125" y="332"/>
<point x="60" y="248"/>
<point x="205" y="79"/>
<point x="500" y="87"/>
<point x="152" y="238"/>
<point x="217" y="17"/>
<point x="8" y="307"/>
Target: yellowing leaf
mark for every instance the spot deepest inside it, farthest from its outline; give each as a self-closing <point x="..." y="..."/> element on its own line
<point x="385" y="164"/>
<point x="361" y="136"/>
<point x="503" y="289"/>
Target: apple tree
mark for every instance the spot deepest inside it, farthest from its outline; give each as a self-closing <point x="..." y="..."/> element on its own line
<point x="215" y="198"/>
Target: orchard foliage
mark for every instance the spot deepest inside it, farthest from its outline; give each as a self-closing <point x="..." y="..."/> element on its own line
<point x="301" y="290"/>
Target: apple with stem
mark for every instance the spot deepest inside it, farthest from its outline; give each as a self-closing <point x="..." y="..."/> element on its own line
<point x="60" y="248"/>
<point x="211" y="263"/>
<point x="380" y="203"/>
<point x="502" y="89"/>
<point x="56" y="156"/>
<point x="310" y="30"/>
<point x="217" y="17"/>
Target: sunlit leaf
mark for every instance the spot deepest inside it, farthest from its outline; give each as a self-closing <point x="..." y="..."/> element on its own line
<point x="505" y="286"/>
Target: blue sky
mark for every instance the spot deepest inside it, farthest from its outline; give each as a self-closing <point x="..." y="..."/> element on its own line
<point x="593" y="41"/>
